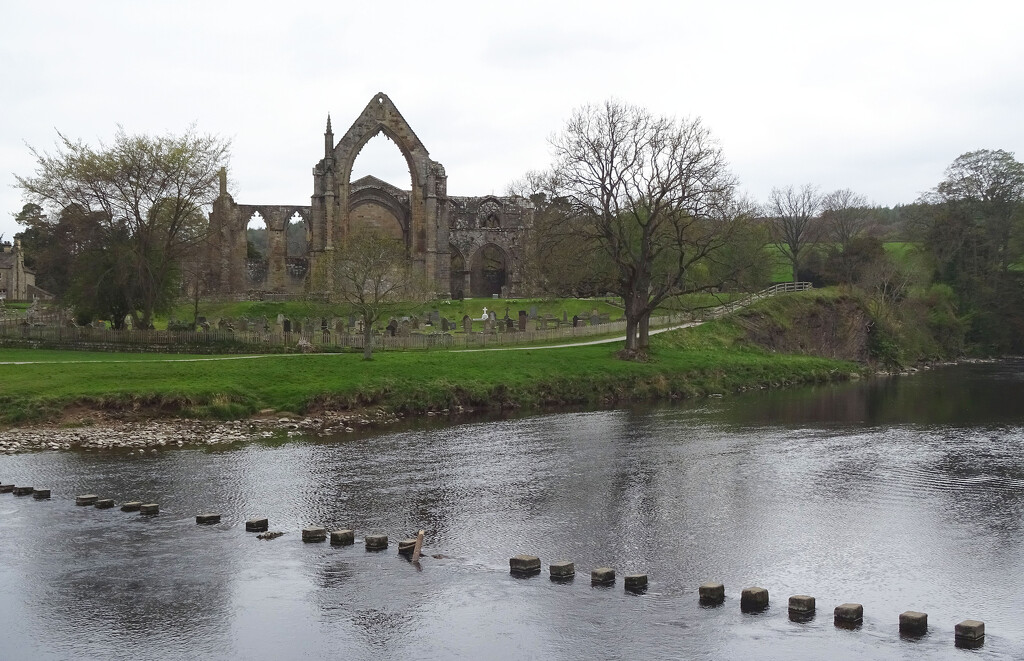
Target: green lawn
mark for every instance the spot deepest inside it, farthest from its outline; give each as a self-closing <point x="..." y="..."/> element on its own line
<point x="685" y="363"/>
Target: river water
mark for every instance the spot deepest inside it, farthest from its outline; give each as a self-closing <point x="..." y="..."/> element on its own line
<point x="904" y="493"/>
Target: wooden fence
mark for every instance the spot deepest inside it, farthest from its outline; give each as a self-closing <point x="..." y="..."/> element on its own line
<point x="18" y="331"/>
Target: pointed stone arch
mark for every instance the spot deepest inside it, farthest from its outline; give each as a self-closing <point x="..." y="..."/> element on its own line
<point x="427" y="228"/>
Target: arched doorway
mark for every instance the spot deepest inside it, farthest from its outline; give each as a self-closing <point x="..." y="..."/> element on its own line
<point x="457" y="274"/>
<point x="488" y="271"/>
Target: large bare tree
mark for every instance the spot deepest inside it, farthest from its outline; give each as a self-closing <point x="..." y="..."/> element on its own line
<point x="650" y="194"/>
<point x="795" y="221"/>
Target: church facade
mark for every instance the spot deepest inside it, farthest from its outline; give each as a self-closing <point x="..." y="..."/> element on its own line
<point x="463" y="246"/>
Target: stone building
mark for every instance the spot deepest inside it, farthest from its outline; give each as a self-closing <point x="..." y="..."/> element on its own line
<point x="465" y="246"/>
<point x="18" y="282"/>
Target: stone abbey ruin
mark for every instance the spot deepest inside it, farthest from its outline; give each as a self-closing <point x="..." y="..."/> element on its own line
<point x="463" y="246"/>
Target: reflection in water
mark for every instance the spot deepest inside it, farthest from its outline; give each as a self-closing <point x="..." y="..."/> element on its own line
<point x="901" y="494"/>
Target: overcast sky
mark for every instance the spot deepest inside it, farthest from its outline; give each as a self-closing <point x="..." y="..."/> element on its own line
<point x="878" y="97"/>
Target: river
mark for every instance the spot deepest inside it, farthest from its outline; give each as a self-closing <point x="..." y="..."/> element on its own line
<point x="902" y="493"/>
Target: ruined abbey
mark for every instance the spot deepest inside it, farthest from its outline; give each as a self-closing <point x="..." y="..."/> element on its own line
<point x="464" y="246"/>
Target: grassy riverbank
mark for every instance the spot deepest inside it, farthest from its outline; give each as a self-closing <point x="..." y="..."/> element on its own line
<point x="685" y="363"/>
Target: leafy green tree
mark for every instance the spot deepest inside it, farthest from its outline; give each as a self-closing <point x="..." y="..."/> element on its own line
<point x="972" y="225"/>
<point x="148" y="195"/>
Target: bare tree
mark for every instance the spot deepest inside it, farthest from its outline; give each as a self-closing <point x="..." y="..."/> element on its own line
<point x="845" y="215"/>
<point x="650" y="194"/>
<point x="372" y="273"/>
<point x="794" y="221"/>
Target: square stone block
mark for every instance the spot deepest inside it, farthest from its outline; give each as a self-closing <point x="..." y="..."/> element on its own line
<point x="314" y="534"/>
<point x="41" y="494"/>
<point x="149" y="508"/>
<point x="970" y="633"/>
<point x="406" y="546"/>
<point x="130" y="506"/>
<point x="562" y="570"/>
<point x="602" y="576"/>
<point x="208" y="518"/>
<point x="376" y="542"/>
<point x="259" y="524"/>
<point x="849" y="614"/>
<point x="104" y="504"/>
<point x="636" y="582"/>
<point x="87" y="499"/>
<point x="913" y="623"/>
<point x="711" y="593"/>
<point x="343" y="537"/>
<point x="524" y="564"/>
<point x="801" y="604"/>
<point x="753" y="599"/>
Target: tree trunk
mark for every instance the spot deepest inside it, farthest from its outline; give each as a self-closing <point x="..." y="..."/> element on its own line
<point x="644" y="326"/>
<point x="367" y="340"/>
<point x="630" y="332"/>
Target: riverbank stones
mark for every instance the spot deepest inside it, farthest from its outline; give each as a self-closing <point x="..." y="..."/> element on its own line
<point x="6" y="488"/>
<point x="206" y="519"/>
<point x="801" y="607"/>
<point x="259" y="524"/>
<point x="41" y="494"/>
<point x="635" y="582"/>
<point x="753" y="599"/>
<point x="406" y="547"/>
<point x="104" y="504"/>
<point x="131" y="506"/>
<point x="602" y="576"/>
<point x="711" y="594"/>
<point x="913" y="623"/>
<point x="149" y="508"/>
<point x="849" y="615"/>
<point x="376" y="542"/>
<point x="970" y="633"/>
<point x="562" y="571"/>
<point x="524" y="565"/>
<point x="86" y="499"/>
<point x="314" y="534"/>
<point x="343" y="537"/>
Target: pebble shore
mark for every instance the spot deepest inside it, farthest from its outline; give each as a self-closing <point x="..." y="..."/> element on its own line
<point x="142" y="435"/>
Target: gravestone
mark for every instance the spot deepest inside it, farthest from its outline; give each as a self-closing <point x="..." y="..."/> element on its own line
<point x="523" y="318"/>
<point x="435" y="317"/>
<point x="509" y="326"/>
<point x="533" y="312"/>
<point x="287" y="325"/>
<point x="405" y="328"/>
<point x="575" y="321"/>
<point x="565" y="317"/>
<point x="595" y="320"/>
<point x="280" y="319"/>
<point x="543" y="323"/>
<point x="492" y="317"/>
<point x="489" y="324"/>
<point x="243" y="324"/>
<point x="415" y="321"/>
<point x="444" y="324"/>
<point x="222" y="324"/>
<point x="392" y="327"/>
<point x="351" y="320"/>
<point x="340" y="327"/>
<point x="467" y="324"/>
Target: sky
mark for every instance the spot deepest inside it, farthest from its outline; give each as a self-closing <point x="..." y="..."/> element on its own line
<point x="877" y="97"/>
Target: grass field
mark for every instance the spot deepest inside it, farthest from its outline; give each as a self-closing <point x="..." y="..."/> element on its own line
<point x="684" y="363"/>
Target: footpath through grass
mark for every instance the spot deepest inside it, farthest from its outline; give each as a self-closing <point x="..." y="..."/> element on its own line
<point x="684" y="363"/>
